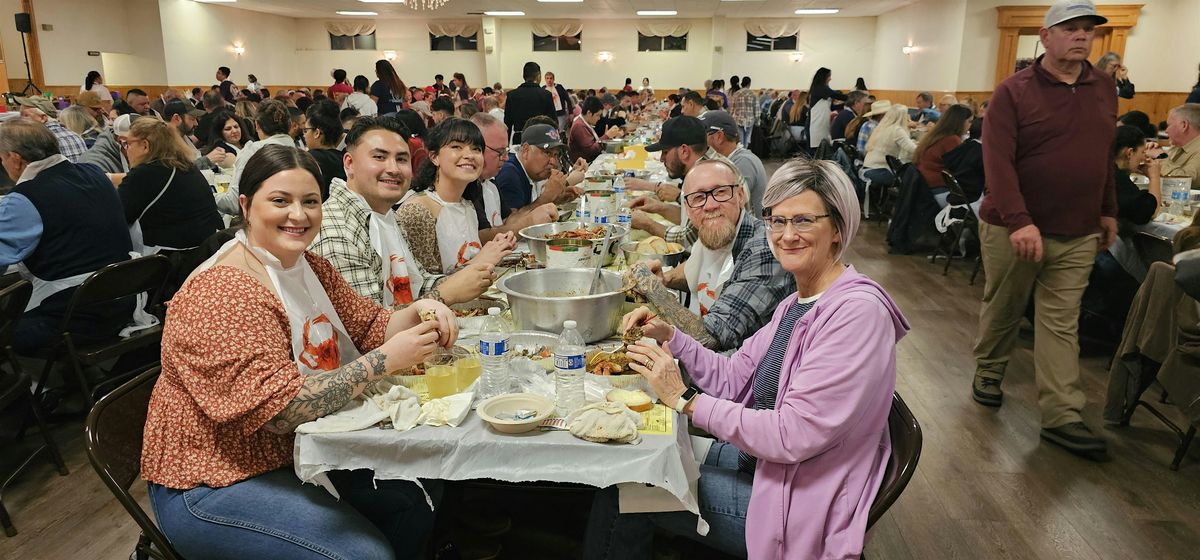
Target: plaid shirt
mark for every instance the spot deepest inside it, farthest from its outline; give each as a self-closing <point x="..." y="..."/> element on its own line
<point x="744" y="110"/>
<point x="757" y="285"/>
<point x="70" y="144"/>
<point x="344" y="241"/>
<point x="686" y="234"/>
<point x="864" y="134"/>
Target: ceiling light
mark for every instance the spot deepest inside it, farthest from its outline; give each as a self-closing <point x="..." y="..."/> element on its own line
<point x="215" y="1"/>
<point x="657" y="12"/>
<point x="908" y="49"/>
<point x="504" y="13"/>
<point x="354" y="13"/>
<point x="816" y="11"/>
<point x="560" y="1"/>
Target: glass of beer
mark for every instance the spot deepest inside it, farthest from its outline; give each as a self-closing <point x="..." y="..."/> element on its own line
<point x="440" y="375"/>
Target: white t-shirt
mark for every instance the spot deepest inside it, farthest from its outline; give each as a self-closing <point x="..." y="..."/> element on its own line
<point x="361" y="103"/>
<point x="99" y="90"/>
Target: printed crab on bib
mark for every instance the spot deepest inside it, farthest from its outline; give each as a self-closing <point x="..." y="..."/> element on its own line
<point x="457" y="233"/>
<point x="707" y="270"/>
<point x="319" y="344"/>
<point x="398" y="285"/>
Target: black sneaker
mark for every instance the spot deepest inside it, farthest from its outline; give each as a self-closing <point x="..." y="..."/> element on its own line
<point x="986" y="391"/>
<point x="1077" y="438"/>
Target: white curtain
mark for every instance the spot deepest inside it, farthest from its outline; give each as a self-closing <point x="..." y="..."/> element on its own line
<point x="773" y="28"/>
<point x="349" y="28"/>
<point x="664" y="28"/>
<point x="453" y="28"/>
<point x="556" y="28"/>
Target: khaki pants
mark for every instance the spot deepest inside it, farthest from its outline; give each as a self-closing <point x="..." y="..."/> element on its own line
<point x="1057" y="284"/>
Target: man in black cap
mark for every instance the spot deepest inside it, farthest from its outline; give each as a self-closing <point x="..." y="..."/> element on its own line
<point x="537" y="160"/>
<point x="182" y="117"/>
<point x="528" y="100"/>
<point x="683" y="144"/>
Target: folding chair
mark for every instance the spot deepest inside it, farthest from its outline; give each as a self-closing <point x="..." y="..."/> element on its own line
<point x="114" y="282"/>
<point x="1153" y="248"/>
<point x="114" y="447"/>
<point x="955" y="232"/>
<point x="14" y="388"/>
<point x="906" y="451"/>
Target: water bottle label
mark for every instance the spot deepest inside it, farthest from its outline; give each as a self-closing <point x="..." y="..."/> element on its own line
<point x="568" y="362"/>
<point x="624" y="219"/>
<point x="601" y="219"/>
<point x="497" y="348"/>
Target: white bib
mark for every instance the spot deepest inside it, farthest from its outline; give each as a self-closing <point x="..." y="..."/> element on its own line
<point x="402" y="279"/>
<point x="457" y="233"/>
<point x="706" y="271"/>
<point x="491" y="203"/>
<point x="319" y="340"/>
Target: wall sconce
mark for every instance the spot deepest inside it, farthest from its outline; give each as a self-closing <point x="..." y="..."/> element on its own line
<point x="908" y="49"/>
<point x="796" y="56"/>
<point x="239" y="50"/>
<point x="604" y="56"/>
<point x="389" y="55"/>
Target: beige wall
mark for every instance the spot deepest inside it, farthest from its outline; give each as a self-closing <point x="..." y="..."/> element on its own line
<point x="934" y="27"/>
<point x="844" y="45"/>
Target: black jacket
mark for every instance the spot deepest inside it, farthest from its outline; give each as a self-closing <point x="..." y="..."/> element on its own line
<point x="966" y="164"/>
<point x="528" y="100"/>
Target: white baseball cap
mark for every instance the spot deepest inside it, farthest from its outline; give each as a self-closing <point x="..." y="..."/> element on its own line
<point x="1065" y="10"/>
<point x="122" y="124"/>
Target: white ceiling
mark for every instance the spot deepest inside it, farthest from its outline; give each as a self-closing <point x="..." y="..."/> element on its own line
<point x="588" y="9"/>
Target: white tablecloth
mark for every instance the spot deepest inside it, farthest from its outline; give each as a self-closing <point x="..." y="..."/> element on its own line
<point x="475" y="451"/>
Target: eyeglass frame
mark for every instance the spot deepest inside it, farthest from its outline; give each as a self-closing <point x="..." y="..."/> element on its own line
<point x="793" y="221"/>
<point x="501" y="153"/>
<point x="710" y="193"/>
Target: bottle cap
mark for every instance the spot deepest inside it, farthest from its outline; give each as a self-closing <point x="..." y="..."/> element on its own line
<point x="493" y="311"/>
<point x="568" y="324"/>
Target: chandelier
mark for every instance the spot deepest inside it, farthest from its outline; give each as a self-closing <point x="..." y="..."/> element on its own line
<point x="427" y="5"/>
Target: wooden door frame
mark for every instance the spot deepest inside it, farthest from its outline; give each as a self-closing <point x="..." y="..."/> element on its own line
<point x="1014" y="21"/>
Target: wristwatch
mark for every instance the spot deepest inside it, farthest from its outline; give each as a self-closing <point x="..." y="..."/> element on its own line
<point x="688" y="394"/>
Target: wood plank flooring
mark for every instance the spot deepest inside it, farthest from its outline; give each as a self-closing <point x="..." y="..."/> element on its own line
<point x="986" y="487"/>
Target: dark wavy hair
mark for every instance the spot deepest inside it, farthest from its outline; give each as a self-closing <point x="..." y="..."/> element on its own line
<point x="450" y="130"/>
<point x="90" y="80"/>
<point x="273" y="117"/>
<point x="216" y="131"/>
<point x="272" y="160"/>
<point x="412" y="121"/>
<point x="323" y="115"/>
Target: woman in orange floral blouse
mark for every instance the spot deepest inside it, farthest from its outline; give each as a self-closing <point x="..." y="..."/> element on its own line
<point x="263" y="337"/>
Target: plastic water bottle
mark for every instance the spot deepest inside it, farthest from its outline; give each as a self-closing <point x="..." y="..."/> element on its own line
<point x="619" y="191"/>
<point x="568" y="370"/>
<point x="493" y="352"/>
<point x="600" y="216"/>
<point x="625" y="217"/>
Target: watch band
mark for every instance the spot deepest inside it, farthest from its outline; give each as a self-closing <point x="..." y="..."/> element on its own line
<point x="688" y="394"/>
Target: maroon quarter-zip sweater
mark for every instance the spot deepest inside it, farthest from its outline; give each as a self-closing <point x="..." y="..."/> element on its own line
<point x="1046" y="152"/>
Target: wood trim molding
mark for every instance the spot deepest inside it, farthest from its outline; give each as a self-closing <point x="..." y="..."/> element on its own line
<point x="1014" y="21"/>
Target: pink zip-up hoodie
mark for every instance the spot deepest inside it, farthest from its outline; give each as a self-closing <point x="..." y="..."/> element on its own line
<point x="823" y="449"/>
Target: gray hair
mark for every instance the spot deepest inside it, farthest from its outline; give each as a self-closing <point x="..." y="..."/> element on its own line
<point x="825" y="178"/>
<point x="854" y="97"/>
<point x="1189" y="112"/>
<point x="484" y="120"/>
<point x="27" y="138"/>
<point x="729" y="167"/>
<point x="1103" y="62"/>
<point x="77" y="119"/>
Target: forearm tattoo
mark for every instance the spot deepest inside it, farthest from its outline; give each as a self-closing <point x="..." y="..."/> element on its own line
<point x="669" y="309"/>
<point x="327" y="392"/>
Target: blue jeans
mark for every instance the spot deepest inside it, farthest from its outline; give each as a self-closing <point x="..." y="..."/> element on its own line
<point x="940" y="194"/>
<point x="724" y="497"/>
<point x="745" y="131"/>
<point x="274" y="516"/>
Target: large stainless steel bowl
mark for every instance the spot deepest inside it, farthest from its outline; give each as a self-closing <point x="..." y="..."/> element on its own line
<point x="535" y="236"/>
<point x="614" y="146"/>
<point x="542" y="299"/>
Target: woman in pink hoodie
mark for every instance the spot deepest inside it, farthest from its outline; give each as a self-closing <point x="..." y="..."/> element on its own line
<point x="800" y="410"/>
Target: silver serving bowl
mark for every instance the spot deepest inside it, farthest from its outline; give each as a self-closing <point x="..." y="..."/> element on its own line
<point x="614" y="146"/>
<point x="633" y="256"/>
<point x="476" y="323"/>
<point x="542" y="299"/>
<point x="535" y="236"/>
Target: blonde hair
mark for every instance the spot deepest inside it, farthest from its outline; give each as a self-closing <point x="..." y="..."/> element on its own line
<point x="829" y="182"/>
<point x="896" y="117"/>
<point x="77" y="119"/>
<point x="801" y="101"/>
<point x="165" y="145"/>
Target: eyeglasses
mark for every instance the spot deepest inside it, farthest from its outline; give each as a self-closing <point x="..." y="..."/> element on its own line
<point x="800" y="222"/>
<point x="721" y="193"/>
<point x="500" y="152"/>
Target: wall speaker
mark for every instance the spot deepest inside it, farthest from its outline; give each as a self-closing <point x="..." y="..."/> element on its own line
<point x="24" y="23"/>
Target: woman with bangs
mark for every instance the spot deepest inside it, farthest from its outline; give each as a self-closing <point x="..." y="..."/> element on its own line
<point x="441" y="226"/>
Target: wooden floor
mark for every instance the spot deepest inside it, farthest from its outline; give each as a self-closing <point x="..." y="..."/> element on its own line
<point x="986" y="487"/>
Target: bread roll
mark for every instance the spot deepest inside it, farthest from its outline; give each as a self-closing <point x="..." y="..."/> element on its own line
<point x="637" y="401"/>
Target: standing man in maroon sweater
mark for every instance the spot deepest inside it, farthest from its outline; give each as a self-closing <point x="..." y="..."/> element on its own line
<point x="1050" y="204"/>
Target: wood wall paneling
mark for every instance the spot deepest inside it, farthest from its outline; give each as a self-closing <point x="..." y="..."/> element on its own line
<point x="1014" y="21"/>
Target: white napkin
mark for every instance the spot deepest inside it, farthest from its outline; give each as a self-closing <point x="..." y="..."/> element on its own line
<point x="449" y="410"/>
<point x="384" y="400"/>
<point x="605" y="421"/>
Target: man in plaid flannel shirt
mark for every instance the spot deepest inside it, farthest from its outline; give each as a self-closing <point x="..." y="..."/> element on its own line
<point x="378" y="175"/>
<point x="745" y="111"/>
<point x="755" y="286"/>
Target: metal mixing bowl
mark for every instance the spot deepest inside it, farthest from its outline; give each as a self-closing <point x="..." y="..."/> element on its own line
<point x="535" y="236"/>
<point x="633" y="256"/>
<point x="542" y="299"/>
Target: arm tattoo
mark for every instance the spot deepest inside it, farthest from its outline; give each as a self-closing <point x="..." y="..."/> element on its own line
<point x="672" y="312"/>
<point x="327" y="392"/>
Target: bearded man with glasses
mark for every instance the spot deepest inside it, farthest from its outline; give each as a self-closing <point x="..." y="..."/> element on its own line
<point x="733" y="280"/>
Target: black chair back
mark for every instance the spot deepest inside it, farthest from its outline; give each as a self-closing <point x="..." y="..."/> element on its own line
<point x="120" y="280"/>
<point x="906" y="451"/>
<point x="13" y="299"/>
<point x="114" y="447"/>
<point x="1153" y="248"/>
<point x="851" y="151"/>
<point x="956" y="196"/>
<point x="823" y="150"/>
<point x="895" y="165"/>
